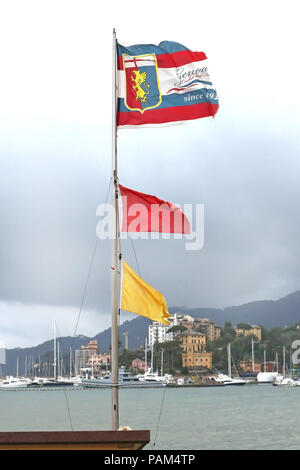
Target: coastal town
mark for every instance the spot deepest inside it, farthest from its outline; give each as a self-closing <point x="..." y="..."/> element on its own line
<point x="190" y="338"/>
<point x="188" y="351"/>
<point x="198" y="351"/>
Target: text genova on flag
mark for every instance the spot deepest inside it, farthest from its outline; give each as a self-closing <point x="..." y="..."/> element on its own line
<point x="163" y="84"/>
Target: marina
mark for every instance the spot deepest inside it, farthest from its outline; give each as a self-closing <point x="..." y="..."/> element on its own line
<point x="127" y="381"/>
<point x="199" y="418"/>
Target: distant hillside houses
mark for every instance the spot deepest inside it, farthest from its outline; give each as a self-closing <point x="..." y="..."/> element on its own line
<point x="88" y="357"/>
<point x="243" y="329"/>
<point x="193" y="350"/>
<point x="160" y="333"/>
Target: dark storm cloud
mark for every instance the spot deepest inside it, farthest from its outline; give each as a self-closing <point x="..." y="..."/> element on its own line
<point x="55" y="139"/>
<point x="246" y="178"/>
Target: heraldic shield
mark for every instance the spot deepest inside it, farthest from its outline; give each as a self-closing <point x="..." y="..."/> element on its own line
<point x="142" y="90"/>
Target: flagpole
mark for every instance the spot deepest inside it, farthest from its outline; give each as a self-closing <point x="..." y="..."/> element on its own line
<point x="114" y="254"/>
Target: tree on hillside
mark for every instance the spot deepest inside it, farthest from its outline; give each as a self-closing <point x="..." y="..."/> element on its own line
<point x="177" y="330"/>
<point x="243" y="326"/>
<point x="126" y="357"/>
<point x="228" y="333"/>
<point x="171" y="356"/>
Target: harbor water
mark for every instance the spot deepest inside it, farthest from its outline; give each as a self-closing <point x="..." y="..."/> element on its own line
<point x="248" y="417"/>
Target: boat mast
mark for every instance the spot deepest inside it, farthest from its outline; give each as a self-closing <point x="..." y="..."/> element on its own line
<point x="54" y="363"/>
<point x="70" y="367"/>
<point x="283" y="362"/>
<point x="252" y="355"/>
<point x="152" y="352"/>
<point x="229" y="359"/>
<point x="58" y="360"/>
<point x="115" y="246"/>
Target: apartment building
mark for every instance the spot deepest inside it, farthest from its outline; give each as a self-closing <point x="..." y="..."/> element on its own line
<point x="208" y="327"/>
<point x="251" y="330"/>
<point x="158" y="332"/>
<point x="193" y="350"/>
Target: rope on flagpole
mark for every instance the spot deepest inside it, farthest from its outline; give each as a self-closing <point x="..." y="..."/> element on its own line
<point x="164" y="393"/>
<point x="90" y="269"/>
<point x="160" y="413"/>
<point x="136" y="259"/>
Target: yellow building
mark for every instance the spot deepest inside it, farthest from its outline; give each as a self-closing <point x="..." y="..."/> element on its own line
<point x="252" y="330"/>
<point x="193" y="350"/>
<point x="211" y="330"/>
<point x="92" y="346"/>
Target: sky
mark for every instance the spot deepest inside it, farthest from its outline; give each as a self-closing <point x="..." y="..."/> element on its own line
<point x="55" y="159"/>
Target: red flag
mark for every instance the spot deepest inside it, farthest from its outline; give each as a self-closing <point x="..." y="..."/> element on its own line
<point x="146" y="213"/>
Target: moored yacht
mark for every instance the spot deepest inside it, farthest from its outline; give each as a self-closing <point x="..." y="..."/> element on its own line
<point x="125" y="380"/>
<point x="227" y="380"/>
<point x="151" y="376"/>
<point x="266" y="377"/>
<point x="284" y="382"/>
<point x="13" y="382"/>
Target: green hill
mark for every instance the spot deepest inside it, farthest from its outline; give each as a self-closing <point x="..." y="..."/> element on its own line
<point x="268" y="313"/>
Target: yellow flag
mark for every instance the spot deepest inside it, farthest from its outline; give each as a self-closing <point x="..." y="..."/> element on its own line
<point x="139" y="297"/>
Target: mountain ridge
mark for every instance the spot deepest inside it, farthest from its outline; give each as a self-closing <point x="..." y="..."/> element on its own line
<point x="267" y="313"/>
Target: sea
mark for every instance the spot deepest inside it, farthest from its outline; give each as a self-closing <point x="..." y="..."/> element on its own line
<point x="249" y="417"/>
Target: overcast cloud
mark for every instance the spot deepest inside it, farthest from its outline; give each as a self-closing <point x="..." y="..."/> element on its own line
<point x="55" y="151"/>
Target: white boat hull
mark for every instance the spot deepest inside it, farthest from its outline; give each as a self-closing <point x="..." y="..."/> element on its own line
<point x="226" y="380"/>
<point x="13" y="383"/>
<point x="266" y="377"/>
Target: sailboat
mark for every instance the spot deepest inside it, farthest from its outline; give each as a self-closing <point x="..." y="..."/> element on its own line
<point x="14" y="382"/>
<point x="228" y="379"/>
<point x="283" y="380"/>
<point x="57" y="380"/>
<point x="151" y="377"/>
<point x="267" y="377"/>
